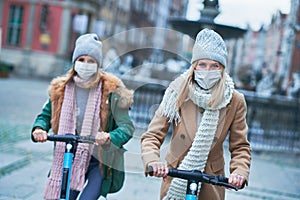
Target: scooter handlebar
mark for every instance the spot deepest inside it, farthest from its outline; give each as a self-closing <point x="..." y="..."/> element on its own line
<point x="198" y="176"/>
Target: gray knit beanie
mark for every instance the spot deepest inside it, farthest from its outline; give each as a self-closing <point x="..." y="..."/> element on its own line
<point x="90" y="45"/>
<point x="209" y="45"/>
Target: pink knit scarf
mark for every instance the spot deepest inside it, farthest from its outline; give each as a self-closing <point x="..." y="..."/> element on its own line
<point x="67" y="124"/>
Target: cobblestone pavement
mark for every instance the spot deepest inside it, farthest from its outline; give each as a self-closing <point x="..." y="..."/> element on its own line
<point x="24" y="165"/>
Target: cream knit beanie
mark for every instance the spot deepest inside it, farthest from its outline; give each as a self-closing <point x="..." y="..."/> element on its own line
<point x="209" y="45"/>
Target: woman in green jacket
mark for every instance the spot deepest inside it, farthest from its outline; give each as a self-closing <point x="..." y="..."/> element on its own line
<point x="87" y="101"/>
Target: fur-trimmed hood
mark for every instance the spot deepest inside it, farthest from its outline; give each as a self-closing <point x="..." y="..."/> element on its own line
<point x="110" y="84"/>
<point x="114" y="85"/>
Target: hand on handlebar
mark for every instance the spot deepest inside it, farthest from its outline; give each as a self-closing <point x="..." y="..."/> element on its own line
<point x="102" y="138"/>
<point x="39" y="135"/>
<point x="159" y="169"/>
<point x="236" y="180"/>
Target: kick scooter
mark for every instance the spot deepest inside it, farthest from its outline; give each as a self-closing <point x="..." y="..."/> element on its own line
<point x="71" y="141"/>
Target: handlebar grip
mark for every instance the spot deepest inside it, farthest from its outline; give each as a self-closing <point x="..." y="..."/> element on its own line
<point x="224" y="182"/>
<point x="173" y="172"/>
<point x="50" y="137"/>
<point x="223" y="179"/>
<point x="150" y="171"/>
<point x="87" y="139"/>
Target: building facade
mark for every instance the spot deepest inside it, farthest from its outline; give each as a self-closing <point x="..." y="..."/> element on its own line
<point x="271" y="55"/>
<point x="38" y="36"/>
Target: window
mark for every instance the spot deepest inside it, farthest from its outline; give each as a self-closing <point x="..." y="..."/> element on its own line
<point x="14" y="28"/>
<point x="44" y="17"/>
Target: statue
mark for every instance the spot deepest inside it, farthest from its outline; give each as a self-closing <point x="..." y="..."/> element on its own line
<point x="211" y="3"/>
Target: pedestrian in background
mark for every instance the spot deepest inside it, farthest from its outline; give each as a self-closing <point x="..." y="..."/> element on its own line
<point x="204" y="108"/>
<point x="86" y="101"/>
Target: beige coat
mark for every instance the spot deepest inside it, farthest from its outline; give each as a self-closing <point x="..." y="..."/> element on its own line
<point x="232" y="121"/>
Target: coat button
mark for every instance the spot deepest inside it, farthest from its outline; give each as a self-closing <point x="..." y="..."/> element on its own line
<point x="215" y="139"/>
<point x="182" y="136"/>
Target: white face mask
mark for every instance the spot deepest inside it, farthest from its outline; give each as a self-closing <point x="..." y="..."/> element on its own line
<point x="207" y="78"/>
<point x="85" y="70"/>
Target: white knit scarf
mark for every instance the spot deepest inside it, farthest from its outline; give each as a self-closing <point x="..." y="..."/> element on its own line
<point x="197" y="156"/>
<point x="67" y="124"/>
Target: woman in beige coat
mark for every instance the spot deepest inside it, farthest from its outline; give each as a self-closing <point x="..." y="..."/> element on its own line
<point x="204" y="108"/>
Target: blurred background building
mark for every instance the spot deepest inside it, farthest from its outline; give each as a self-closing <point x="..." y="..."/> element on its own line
<point x="37" y="39"/>
<point x="38" y="36"/>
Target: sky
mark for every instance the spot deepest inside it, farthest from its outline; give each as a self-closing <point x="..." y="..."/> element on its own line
<point x="242" y="12"/>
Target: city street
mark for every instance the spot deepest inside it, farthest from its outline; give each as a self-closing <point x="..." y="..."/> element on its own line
<point x="24" y="165"/>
